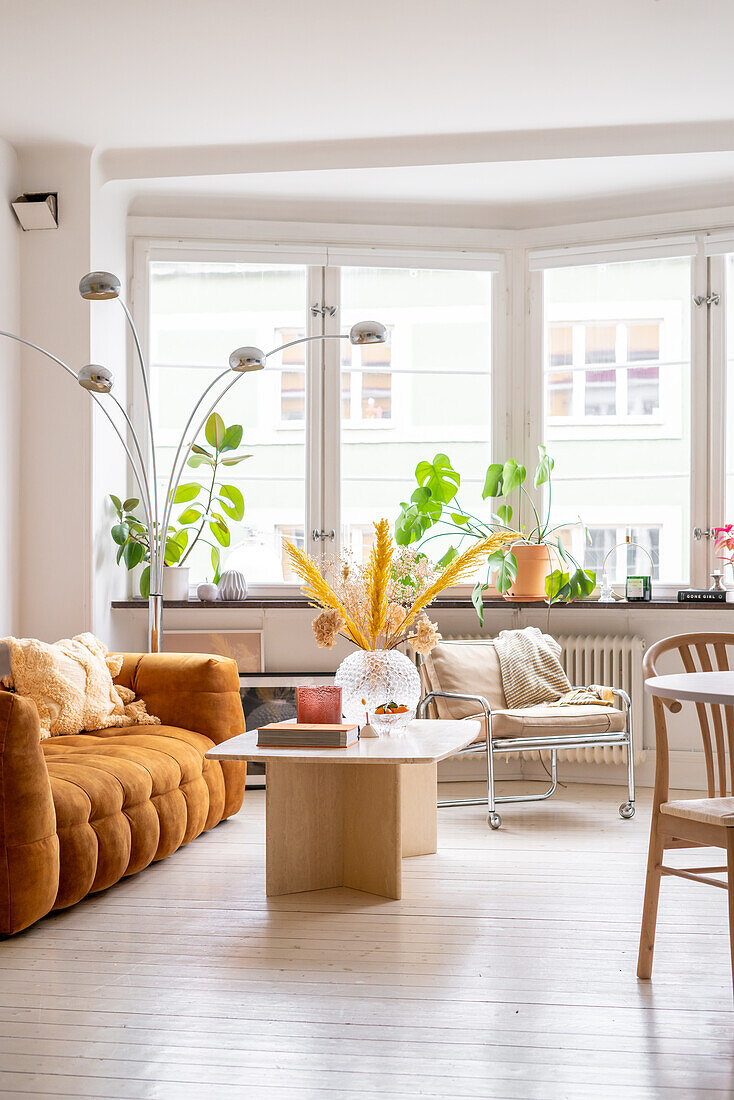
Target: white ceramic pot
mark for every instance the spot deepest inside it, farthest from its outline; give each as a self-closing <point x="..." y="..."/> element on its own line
<point x="175" y="582"/>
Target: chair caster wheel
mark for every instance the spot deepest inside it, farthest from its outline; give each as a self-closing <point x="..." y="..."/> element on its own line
<point x="627" y="810"/>
<point x="494" y="820"/>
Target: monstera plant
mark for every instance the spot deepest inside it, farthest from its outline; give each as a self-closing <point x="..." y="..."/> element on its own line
<point x="435" y="503"/>
<point x="210" y="506"/>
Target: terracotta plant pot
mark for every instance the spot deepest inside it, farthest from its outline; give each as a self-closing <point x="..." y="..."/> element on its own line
<point x="533" y="566"/>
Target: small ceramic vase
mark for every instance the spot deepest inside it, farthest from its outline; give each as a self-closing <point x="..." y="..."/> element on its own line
<point x="232" y="585"/>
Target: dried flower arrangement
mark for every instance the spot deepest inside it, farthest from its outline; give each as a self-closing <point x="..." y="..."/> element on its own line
<point x="375" y="605"/>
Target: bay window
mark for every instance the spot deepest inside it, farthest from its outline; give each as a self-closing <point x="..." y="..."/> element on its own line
<point x="612" y="364"/>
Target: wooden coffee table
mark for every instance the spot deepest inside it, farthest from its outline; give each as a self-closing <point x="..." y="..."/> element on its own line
<point x="347" y="817"/>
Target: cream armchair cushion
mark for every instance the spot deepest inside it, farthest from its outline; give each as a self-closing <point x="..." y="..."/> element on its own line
<point x="471" y="667"/>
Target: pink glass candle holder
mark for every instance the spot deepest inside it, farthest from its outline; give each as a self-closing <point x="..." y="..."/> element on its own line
<point x="319" y="705"/>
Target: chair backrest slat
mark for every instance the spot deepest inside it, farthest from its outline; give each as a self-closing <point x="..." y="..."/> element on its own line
<point x="706" y="666"/>
<point x="702" y="652"/>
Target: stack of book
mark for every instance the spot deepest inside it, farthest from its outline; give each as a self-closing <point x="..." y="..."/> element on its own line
<point x="307" y="735"/>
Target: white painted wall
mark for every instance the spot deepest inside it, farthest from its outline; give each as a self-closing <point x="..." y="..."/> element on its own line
<point x="10" y="400"/>
<point x="56" y="417"/>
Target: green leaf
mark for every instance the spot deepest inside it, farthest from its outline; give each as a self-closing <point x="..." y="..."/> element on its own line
<point x="173" y="552"/>
<point x="234" y="459"/>
<point x="181" y="538"/>
<point x="557" y="587"/>
<point x="214" y="431"/>
<point x="120" y="533"/>
<point x="492" y="481"/>
<point x="236" y="509"/>
<point x="583" y="583"/>
<point x="130" y="504"/>
<point x="425" y="503"/>
<point x="411" y="524"/>
<point x="216" y="559"/>
<point x="513" y="476"/>
<point x="190" y="515"/>
<point x="200" y="450"/>
<point x="459" y="518"/>
<point x="232" y="438"/>
<point x="545" y="466"/>
<point x="200" y="460"/>
<point x="504" y="513"/>
<point x="133" y="554"/>
<point x="220" y="532"/>
<point x="120" y="552"/>
<point x="187" y="491"/>
<point x="476" y="599"/>
<point x="439" y="477"/>
<point x="116" y="501"/>
<point x="506" y="573"/>
<point x="145" y="583"/>
<point x="448" y="557"/>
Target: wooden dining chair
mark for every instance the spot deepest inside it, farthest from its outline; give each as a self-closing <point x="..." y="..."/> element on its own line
<point x="692" y="822"/>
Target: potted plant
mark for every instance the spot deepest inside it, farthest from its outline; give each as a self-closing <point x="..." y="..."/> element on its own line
<point x="526" y="569"/>
<point x="208" y="509"/>
<point x="378" y="606"/>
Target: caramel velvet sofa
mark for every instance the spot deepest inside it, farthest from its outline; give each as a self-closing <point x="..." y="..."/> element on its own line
<point x="78" y="813"/>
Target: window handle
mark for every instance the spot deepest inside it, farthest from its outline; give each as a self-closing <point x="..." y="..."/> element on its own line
<point x="323" y="536"/>
<point x="322" y="311"/>
<point x="702" y="533"/>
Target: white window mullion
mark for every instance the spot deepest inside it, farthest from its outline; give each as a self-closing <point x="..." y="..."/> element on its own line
<point x="314" y="413"/>
<point x="717" y="404"/>
<point x="330" y="427"/>
<point x="700" y="457"/>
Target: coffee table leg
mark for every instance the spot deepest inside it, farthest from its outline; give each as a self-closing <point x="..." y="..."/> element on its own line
<point x="419" y="809"/>
<point x="303" y="831"/>
<point x="372" y="828"/>
<point x="346" y="825"/>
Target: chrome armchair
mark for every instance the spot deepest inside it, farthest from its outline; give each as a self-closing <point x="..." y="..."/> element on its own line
<point x="559" y="733"/>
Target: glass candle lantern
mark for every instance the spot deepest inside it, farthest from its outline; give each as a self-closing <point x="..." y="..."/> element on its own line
<point x="319" y="705"/>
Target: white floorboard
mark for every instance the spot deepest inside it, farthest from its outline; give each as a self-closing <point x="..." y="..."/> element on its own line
<point x="506" y="971"/>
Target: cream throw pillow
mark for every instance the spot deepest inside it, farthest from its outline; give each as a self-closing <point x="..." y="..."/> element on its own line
<point x="70" y="683"/>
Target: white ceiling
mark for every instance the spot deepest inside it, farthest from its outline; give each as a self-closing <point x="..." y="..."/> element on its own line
<point x="166" y="73"/>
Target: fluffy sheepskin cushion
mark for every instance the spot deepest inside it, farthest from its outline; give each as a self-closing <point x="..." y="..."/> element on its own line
<point x="70" y="683"/>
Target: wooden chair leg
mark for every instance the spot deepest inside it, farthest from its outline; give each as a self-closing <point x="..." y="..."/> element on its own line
<point x="650" y="906"/>
<point x="730" y="892"/>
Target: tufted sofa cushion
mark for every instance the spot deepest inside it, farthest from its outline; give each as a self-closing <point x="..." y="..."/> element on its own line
<point x="79" y="812"/>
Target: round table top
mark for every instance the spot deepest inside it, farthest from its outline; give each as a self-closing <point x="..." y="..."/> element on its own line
<point x="701" y="687"/>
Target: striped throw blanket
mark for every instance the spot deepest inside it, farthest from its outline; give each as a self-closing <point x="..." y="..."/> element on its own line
<point x="532" y="673"/>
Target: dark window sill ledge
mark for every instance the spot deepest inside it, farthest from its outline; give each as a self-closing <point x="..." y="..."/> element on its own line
<point x="275" y="604"/>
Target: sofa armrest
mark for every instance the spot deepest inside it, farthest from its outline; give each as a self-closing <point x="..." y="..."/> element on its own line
<point x="195" y="691"/>
<point x="29" y="846"/>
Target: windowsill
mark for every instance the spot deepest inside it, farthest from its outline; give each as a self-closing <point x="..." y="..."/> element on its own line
<point x="278" y="603"/>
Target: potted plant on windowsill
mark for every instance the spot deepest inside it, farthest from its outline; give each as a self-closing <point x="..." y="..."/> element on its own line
<point x="537" y="566"/>
<point x="209" y="508"/>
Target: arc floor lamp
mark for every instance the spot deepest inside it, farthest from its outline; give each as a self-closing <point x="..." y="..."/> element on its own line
<point x="98" y="380"/>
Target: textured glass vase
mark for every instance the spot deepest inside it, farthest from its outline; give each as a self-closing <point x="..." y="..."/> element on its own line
<point x="371" y="678"/>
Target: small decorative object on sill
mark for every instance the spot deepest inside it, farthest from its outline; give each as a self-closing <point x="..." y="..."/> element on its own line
<point x="717" y="578"/>
<point x="319" y="705"/>
<point x="377" y="606"/>
<point x="702" y="595"/>
<point x="176" y="582"/>
<point x="232" y="585"/>
<point x="639" y="589"/>
<point x="207" y="593"/>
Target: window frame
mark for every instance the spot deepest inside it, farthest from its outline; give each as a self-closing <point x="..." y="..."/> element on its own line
<point x="323" y="360"/>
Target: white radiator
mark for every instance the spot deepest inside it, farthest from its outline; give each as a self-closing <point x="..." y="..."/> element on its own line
<point x="614" y="661"/>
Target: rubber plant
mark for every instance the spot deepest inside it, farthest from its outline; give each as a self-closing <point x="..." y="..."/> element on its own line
<point x="210" y="506"/>
<point x="435" y="503"/>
